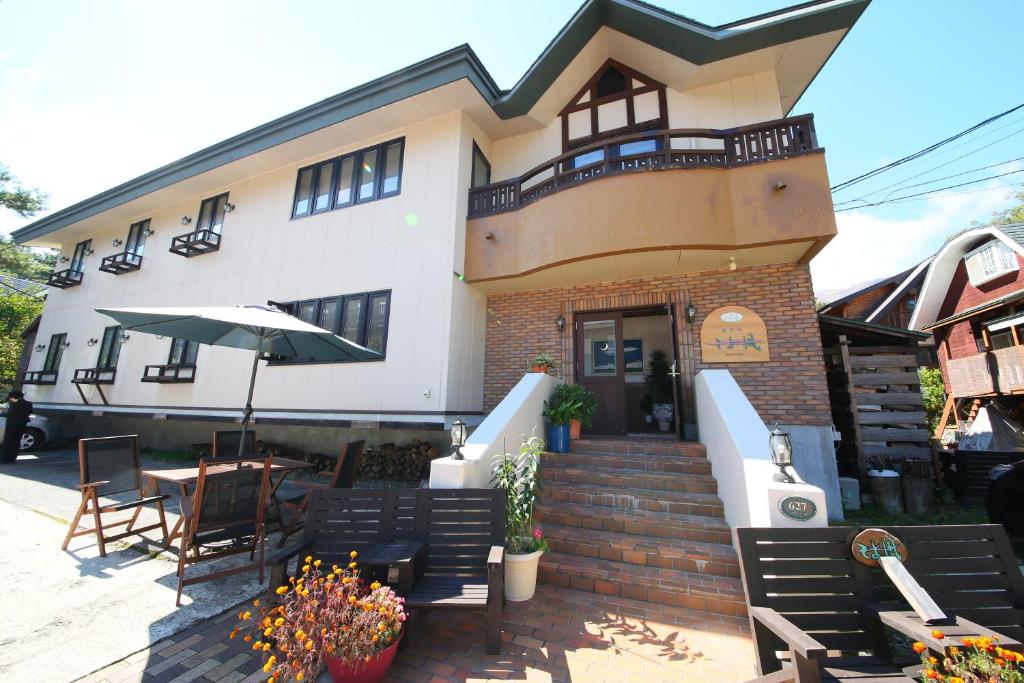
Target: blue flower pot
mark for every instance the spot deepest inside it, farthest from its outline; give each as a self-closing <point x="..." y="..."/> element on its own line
<point x="558" y="438"/>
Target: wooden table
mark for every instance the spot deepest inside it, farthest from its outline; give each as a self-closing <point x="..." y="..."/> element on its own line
<point x="184" y="477"/>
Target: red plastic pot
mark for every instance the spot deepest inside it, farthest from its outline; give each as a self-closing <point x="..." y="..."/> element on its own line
<point x="373" y="672"/>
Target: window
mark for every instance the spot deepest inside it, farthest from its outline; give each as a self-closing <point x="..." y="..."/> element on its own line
<point x="211" y="214"/>
<point x="136" y="241"/>
<point x="481" y="168"/>
<point x="54" y="352"/>
<point x="360" y="318"/>
<point x="183" y="352"/>
<point x="110" y="348"/>
<point x="363" y="176"/>
<point x="989" y="261"/>
<point x="82" y="250"/>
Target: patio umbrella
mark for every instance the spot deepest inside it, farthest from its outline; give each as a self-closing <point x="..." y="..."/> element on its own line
<point x="262" y="329"/>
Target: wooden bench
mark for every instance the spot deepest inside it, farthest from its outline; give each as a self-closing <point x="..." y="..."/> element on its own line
<point x="807" y="597"/>
<point x="463" y="531"/>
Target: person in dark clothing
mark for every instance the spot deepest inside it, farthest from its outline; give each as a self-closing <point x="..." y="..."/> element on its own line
<point x="18" y="411"/>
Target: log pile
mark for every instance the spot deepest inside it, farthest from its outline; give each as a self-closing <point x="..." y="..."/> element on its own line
<point x="389" y="461"/>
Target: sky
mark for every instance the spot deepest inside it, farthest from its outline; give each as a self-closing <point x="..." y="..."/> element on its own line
<point x="95" y="93"/>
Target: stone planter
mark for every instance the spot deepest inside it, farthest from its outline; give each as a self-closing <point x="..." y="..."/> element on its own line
<point x="885" y="489"/>
<point x="521" y="575"/>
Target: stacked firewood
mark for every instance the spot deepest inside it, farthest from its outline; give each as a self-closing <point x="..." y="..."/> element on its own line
<point x="389" y="461"/>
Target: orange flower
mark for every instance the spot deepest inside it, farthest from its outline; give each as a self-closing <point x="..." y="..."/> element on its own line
<point x="232" y="635"/>
<point x="954" y="651"/>
<point x="1000" y="661"/>
<point x="247" y="638"/>
<point x="933" y="661"/>
<point x="353" y="554"/>
<point x="938" y="635"/>
<point x="931" y="674"/>
<point x="919" y="647"/>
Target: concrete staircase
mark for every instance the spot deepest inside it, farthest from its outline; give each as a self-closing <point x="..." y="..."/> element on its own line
<point x="638" y="519"/>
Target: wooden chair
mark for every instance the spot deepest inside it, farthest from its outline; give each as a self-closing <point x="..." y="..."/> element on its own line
<point x="225" y="443"/>
<point x="807" y="598"/>
<point x="342" y="477"/>
<point x="224" y="516"/>
<point x="109" y="466"/>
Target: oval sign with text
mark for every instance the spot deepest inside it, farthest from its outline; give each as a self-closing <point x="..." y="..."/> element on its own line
<point x="871" y="544"/>
<point x="799" y="508"/>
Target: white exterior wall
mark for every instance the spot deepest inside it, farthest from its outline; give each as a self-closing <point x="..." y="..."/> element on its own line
<point x="266" y="256"/>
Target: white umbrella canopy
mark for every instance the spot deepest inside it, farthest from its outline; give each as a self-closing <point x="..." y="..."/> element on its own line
<point x="258" y="328"/>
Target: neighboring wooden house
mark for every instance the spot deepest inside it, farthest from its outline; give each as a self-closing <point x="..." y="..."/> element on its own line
<point x="972" y="301"/>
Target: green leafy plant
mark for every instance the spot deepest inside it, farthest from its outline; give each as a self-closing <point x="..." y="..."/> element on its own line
<point x="933" y="393"/>
<point x="659" y="382"/>
<point x="543" y="359"/>
<point x="577" y="394"/>
<point x="980" y="660"/>
<point x="517" y="476"/>
<point x="560" y="413"/>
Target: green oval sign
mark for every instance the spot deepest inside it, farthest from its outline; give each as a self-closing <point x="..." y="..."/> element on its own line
<point x="799" y="508"/>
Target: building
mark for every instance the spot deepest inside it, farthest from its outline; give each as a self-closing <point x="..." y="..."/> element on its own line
<point x="647" y="172"/>
<point x="888" y="301"/>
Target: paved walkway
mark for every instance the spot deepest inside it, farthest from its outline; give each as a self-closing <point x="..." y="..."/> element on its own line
<point x="560" y="635"/>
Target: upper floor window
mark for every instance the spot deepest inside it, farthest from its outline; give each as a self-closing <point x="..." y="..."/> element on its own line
<point x="82" y="249"/>
<point x="361" y="318"/>
<point x="54" y="352"/>
<point x="136" y="241"/>
<point x="989" y="261"/>
<point x="110" y="348"/>
<point x="183" y="352"/>
<point x="211" y="214"/>
<point x="362" y="176"/>
<point x="481" y="168"/>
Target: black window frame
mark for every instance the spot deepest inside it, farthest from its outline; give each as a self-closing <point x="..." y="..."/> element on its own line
<point x="212" y="202"/>
<point x="336" y="164"/>
<point x="55" y="352"/>
<point x="191" y="350"/>
<point x="109" y="355"/>
<point x="292" y="308"/>
<point x="479" y="156"/>
<point x="77" y="264"/>
<point x="135" y="243"/>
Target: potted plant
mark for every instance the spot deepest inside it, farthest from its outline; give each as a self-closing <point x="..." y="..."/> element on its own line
<point x="559" y="414"/>
<point x="327" y="618"/>
<point x="524" y="542"/>
<point x="885" y="484"/>
<point x="659" y="382"/>
<point x="976" y="659"/>
<point x="586" y="400"/>
<point x="647" y="407"/>
<point x="542" y="362"/>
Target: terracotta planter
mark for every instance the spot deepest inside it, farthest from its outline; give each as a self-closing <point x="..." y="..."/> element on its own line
<point x="574" y="429"/>
<point x="521" y="575"/>
<point x="543" y="369"/>
<point x="373" y="672"/>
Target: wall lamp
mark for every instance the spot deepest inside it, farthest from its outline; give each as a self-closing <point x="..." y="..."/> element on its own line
<point x="782" y="454"/>
<point x="691" y="313"/>
<point x="125" y="337"/>
<point x="780" y="186"/>
<point x="65" y="344"/>
<point x="185" y="220"/>
<point x="93" y="341"/>
<point x="89" y="251"/>
<point x="560" y="322"/>
<point x="732" y="263"/>
<point x="65" y="259"/>
<point x="148" y="232"/>
<point x="40" y="347"/>
<point x="116" y="242"/>
<point x="228" y="207"/>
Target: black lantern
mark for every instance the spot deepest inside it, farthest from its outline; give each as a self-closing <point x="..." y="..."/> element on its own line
<point x="782" y="454"/>
<point x="691" y="313"/>
<point x="458" y="437"/>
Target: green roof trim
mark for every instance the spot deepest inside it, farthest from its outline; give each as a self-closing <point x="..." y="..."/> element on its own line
<point x="685" y="38"/>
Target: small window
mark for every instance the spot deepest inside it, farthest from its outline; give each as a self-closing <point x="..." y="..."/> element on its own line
<point x="377" y="322"/>
<point x="352" y="317"/>
<point x="136" y="241"/>
<point x="367" y="175"/>
<point x="639" y="147"/>
<point x="211" y="214"/>
<point x="329" y="312"/>
<point x="363" y="176"/>
<point x="344" y="195"/>
<point x="990" y="261"/>
<point x="183" y="352"/>
<point x="360" y="318"/>
<point x="324" y="187"/>
<point x="588" y="158"/>
<point x="611" y="82"/>
<point x="392" y="174"/>
<point x="306" y="311"/>
<point x="78" y="258"/>
<point x="303" y="193"/>
<point x="54" y="352"/>
<point x="481" y="168"/>
<point x="110" y="348"/>
<point x="1001" y="340"/>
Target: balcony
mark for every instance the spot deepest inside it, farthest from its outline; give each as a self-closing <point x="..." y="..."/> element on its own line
<point x="94" y="376"/>
<point x="170" y="374"/>
<point x="41" y="377"/>
<point x="195" y="243"/>
<point x="987" y="374"/>
<point x="658" y="202"/>
<point x="62" y="279"/>
<point x="121" y="262"/>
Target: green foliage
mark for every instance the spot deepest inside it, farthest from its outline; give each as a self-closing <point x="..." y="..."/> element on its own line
<point x="658" y="380"/>
<point x="23" y="262"/>
<point x="21" y="201"/>
<point x="560" y="412"/>
<point x="947" y="511"/>
<point x="933" y="392"/>
<point x="1014" y="214"/>
<point x="517" y="476"/>
<point x="16" y="312"/>
<point x="577" y="394"/>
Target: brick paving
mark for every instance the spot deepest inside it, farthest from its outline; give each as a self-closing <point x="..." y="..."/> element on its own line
<point x="560" y="635"/>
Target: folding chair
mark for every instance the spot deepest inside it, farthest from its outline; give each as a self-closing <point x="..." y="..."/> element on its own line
<point x="225" y="444"/>
<point x="343" y="476"/>
<point x="224" y="516"/>
<point x="108" y="466"/>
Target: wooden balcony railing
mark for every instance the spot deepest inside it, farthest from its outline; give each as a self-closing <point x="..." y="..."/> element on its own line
<point x="195" y="243"/>
<point x="649" y="151"/>
<point x="170" y="374"/>
<point x="121" y="262"/>
<point x="46" y="377"/>
<point x="994" y="372"/>
<point x="62" y="279"/>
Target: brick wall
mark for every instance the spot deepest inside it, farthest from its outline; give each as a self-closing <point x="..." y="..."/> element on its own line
<point x="790" y="388"/>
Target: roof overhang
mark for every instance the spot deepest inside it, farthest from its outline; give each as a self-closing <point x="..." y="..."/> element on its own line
<point x="907" y="281"/>
<point x="825" y="21"/>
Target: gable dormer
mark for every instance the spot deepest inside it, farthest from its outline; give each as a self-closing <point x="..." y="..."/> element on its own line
<point x="616" y="100"/>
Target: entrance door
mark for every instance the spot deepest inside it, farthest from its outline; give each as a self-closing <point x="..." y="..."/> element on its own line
<point x="599" y="367"/>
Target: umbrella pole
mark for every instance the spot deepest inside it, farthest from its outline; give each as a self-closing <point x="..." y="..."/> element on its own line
<point x="247" y="415"/>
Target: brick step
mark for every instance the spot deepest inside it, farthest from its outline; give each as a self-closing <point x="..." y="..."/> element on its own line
<point x="641" y="522"/>
<point x="716" y="559"/>
<point x="632" y="462"/>
<point x="628" y="498"/>
<point x="624" y="480"/>
<point x="688" y="590"/>
<point x="640" y="446"/>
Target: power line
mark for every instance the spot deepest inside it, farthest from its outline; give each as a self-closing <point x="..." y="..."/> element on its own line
<point x="931" y="148"/>
<point x="929" y="192"/>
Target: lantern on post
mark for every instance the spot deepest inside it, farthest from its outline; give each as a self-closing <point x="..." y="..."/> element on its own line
<point x="458" y="437"/>
<point x="782" y="454"/>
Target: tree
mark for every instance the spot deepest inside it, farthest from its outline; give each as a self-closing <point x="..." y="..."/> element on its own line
<point x="16" y="312"/>
<point x="933" y="393"/>
<point x="23" y="262"/>
<point x="1014" y="214"/>
<point x="18" y="199"/>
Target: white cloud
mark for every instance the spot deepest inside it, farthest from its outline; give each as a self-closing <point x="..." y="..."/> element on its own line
<point x="870" y="246"/>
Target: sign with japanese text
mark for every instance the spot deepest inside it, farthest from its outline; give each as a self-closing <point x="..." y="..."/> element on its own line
<point x="733" y="334"/>
<point x="872" y="544"/>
